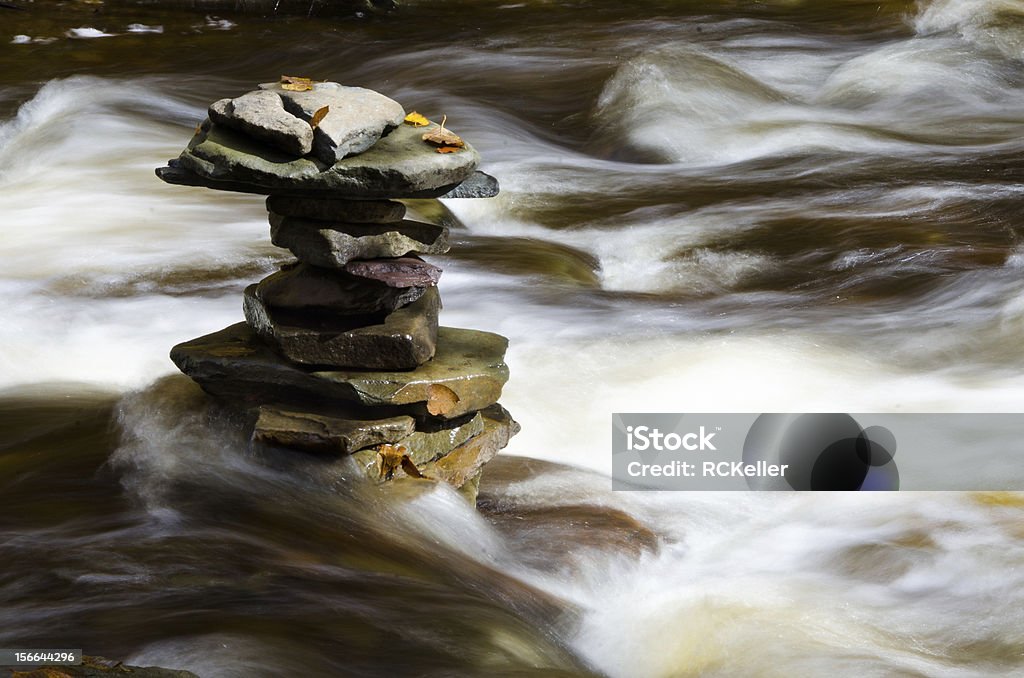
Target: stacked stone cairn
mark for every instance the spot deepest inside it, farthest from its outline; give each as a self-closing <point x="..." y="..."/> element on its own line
<point x="340" y="353"/>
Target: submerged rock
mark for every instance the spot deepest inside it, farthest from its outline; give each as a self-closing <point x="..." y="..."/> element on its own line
<point x="401" y="340"/>
<point x="332" y="245"/>
<point x="355" y="120"/>
<point x="466" y="374"/>
<point x="262" y="116"/>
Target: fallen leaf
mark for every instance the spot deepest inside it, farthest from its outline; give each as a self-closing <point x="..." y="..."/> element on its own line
<point x="410" y="468"/>
<point x="318" y="116"/>
<point x="448" y="149"/>
<point x="443" y="137"/>
<point x="296" y="84"/>
<point x="416" y="120"/>
<point x="390" y="458"/>
<point x="441" y="399"/>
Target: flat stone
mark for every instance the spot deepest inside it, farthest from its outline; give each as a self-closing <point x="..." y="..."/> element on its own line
<point x="235" y="365"/>
<point x="403" y="339"/>
<point x="322" y="433"/>
<point x="399" y="273"/>
<point x="356" y="119"/>
<point x="424" y="446"/>
<point x="347" y="211"/>
<point x="262" y="116"/>
<point x="478" y="185"/>
<point x="400" y="165"/>
<point x="466" y="461"/>
<point x="301" y="287"/>
<point x="175" y="173"/>
<point x="332" y="245"/>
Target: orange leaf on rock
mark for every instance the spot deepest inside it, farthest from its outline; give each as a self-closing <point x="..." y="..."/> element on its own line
<point x="443" y="137"/>
<point x="447" y="149"/>
<point x="318" y="116"/>
<point x="416" y="120"/>
<point x="390" y="458"/>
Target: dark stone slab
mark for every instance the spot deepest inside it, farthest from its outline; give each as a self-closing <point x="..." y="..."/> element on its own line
<point x="401" y="340"/>
<point x="478" y="185"/>
<point x="301" y="287"/>
<point x="400" y="165"/>
<point x="235" y="365"/>
<point x="345" y="211"/>
<point x="399" y="273"/>
<point x="332" y="245"/>
<point x="175" y="173"/>
<point x="323" y="433"/>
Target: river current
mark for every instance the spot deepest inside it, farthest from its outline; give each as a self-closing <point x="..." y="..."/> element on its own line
<point x="706" y="206"/>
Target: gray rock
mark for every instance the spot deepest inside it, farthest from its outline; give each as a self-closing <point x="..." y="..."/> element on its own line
<point x="346" y="211"/>
<point x="332" y="245"/>
<point x="262" y="116"/>
<point x="401" y="165"/>
<point x="323" y="433"/>
<point x="400" y="273"/>
<point x="401" y="340"/>
<point x="356" y="119"/>
<point x="301" y="287"/>
<point x="235" y="365"/>
<point x="478" y="185"/>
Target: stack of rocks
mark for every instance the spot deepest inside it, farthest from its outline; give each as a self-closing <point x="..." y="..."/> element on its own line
<point x="341" y="352"/>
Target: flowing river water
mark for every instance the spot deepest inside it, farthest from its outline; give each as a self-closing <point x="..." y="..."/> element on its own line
<point x="706" y="206"/>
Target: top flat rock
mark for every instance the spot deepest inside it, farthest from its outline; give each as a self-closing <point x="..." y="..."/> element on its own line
<point x="262" y="116"/>
<point x="356" y="117"/>
<point x="400" y="165"/>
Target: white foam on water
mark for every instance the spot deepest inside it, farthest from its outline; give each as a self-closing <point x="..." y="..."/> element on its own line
<point x="87" y="33"/>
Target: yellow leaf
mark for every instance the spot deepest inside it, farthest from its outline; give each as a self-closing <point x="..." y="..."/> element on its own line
<point x="443" y="137"/>
<point x="294" y="83"/>
<point x="416" y="120"/>
<point x="319" y="115"/>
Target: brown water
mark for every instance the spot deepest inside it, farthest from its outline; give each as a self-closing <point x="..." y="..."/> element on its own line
<point x="733" y="206"/>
